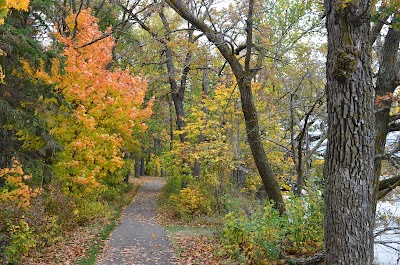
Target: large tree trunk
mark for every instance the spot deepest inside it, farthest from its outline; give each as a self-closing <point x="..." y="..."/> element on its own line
<point x="350" y="154"/>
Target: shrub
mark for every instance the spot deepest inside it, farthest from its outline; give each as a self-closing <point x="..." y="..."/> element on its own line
<point x="190" y="202"/>
<point x="47" y="227"/>
<point x="21" y="239"/>
<point x="15" y="201"/>
<point x="90" y="210"/>
<point x="254" y="238"/>
<point x="176" y="183"/>
<point x="304" y="225"/>
<point x="261" y="236"/>
<point x="58" y="203"/>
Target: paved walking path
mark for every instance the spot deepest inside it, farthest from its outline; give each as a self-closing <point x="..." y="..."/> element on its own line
<point x="139" y="240"/>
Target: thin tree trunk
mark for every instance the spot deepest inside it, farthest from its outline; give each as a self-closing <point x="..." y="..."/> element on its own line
<point x="6" y="154"/>
<point x="137" y="167"/>
<point x="270" y="182"/>
<point x="350" y="151"/>
<point x="292" y="140"/>
<point x="142" y="166"/>
<point x="178" y="92"/>
<point x="126" y="179"/>
<point x="204" y="85"/>
<point x="302" y="158"/>
<point x="171" y="125"/>
<point x="238" y="172"/>
<point x="147" y="169"/>
<point x="386" y="83"/>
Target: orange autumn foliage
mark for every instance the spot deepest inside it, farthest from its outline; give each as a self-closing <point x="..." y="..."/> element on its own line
<point x="107" y="105"/>
<point x="15" y="189"/>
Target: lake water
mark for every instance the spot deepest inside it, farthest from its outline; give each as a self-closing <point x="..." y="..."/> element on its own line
<point x="388" y="254"/>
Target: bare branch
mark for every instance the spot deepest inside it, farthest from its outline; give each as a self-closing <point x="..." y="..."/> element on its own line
<point x="394" y="117"/>
<point x="313" y="151"/>
<point x="240" y="48"/>
<point x="394" y="127"/>
<point x="249" y="40"/>
<point x="278" y="144"/>
<point x="387" y="229"/>
<point x="313" y="260"/>
<point x="388" y="185"/>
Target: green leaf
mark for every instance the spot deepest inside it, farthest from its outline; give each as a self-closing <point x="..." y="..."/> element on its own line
<point x="3" y="12"/>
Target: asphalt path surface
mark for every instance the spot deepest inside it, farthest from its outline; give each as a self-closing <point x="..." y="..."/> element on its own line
<point x="139" y="239"/>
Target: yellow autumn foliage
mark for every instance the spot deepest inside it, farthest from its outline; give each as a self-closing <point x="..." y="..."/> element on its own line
<point x="15" y="189"/>
<point x="190" y="201"/>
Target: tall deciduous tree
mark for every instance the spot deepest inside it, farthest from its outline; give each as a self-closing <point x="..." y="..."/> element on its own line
<point x="107" y="106"/>
<point x="244" y="73"/>
<point x="350" y="153"/>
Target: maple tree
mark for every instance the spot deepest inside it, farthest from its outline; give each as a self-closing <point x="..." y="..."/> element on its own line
<point x="15" y="189"/>
<point x="107" y="106"/>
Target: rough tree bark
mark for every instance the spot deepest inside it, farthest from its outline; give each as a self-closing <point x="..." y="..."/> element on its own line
<point x="244" y="75"/>
<point x="350" y="153"/>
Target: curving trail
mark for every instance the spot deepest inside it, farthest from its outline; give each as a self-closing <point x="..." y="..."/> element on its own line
<point x="138" y="239"/>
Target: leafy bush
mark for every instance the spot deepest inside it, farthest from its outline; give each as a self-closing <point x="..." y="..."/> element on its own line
<point x="176" y="183"/>
<point x="15" y="200"/>
<point x="21" y="239"/>
<point x="254" y="238"/>
<point x="59" y="203"/>
<point x="262" y="236"/>
<point x="304" y="227"/>
<point x="190" y="202"/>
<point x="88" y="211"/>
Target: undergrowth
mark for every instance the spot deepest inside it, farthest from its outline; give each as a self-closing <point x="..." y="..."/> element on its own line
<point x="262" y="236"/>
<point x="250" y="231"/>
